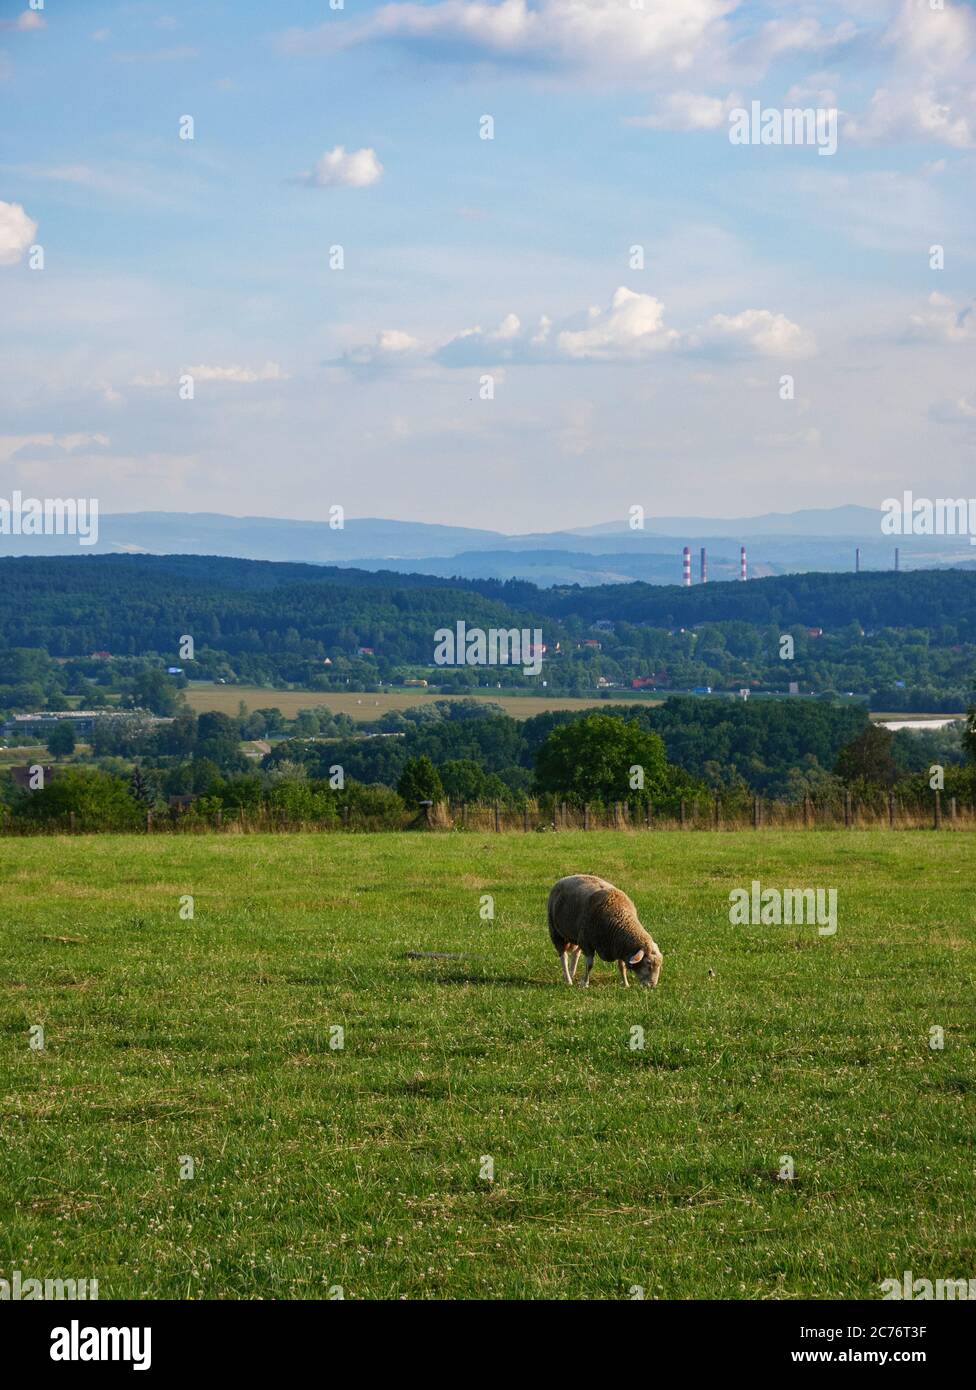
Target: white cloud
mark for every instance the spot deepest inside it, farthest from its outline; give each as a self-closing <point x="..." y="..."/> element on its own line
<point x="236" y="376"/>
<point x="756" y="331"/>
<point x="16" y="232"/>
<point x="688" y="111"/>
<point x="913" y="113"/>
<point x="664" y="34"/>
<point x="25" y="21"/>
<point x="930" y="93"/>
<point x="942" y="321"/>
<point x="630" y="329"/>
<point x="927" y="89"/>
<point x="940" y="41"/>
<point x="12" y="445"/>
<point x="506" y="343"/>
<point x="633" y="326"/>
<point x="337" y="169"/>
<point x="392" y="347"/>
<point x="797" y="34"/>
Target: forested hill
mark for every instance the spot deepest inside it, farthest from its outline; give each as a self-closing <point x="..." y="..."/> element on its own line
<point x="923" y="599"/>
<point x="130" y="603"/>
<point x="906" y="641"/>
<point x="134" y="605"/>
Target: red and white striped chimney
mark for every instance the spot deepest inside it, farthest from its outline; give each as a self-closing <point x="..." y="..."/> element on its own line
<point x="686" y="568"/>
<point x="704" y="566"/>
<point x="743" y="572"/>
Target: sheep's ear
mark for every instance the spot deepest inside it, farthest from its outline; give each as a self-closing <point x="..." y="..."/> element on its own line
<point x="634" y="959"/>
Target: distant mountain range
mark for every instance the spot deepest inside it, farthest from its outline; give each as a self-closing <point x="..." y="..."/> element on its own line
<point x="776" y="542"/>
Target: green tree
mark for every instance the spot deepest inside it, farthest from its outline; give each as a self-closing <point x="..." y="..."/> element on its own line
<point x="596" y="759"/>
<point x="969" y="733"/>
<point x="61" y="740"/>
<point x="141" y="788"/>
<point x="98" y="801"/>
<point x="419" y="781"/>
<point x="869" y="758"/>
<point x="218" y="741"/>
<point x="154" y="690"/>
<point x="463" y="780"/>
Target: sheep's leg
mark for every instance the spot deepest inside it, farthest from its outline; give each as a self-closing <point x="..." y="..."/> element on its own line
<point x="623" y="973"/>
<point x="575" y="952"/>
<point x="586" y="973"/>
<point x="569" y="977"/>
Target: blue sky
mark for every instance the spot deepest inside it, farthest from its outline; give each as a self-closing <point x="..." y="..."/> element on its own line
<point x="467" y="258"/>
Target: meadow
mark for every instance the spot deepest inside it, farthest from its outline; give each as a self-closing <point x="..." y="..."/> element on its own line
<point x="364" y="705"/>
<point x="483" y="1131"/>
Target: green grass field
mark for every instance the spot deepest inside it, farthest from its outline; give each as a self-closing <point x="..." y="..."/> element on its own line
<point x="613" y="1166"/>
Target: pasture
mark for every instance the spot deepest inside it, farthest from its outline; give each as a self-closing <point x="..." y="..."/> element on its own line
<point x="362" y="705"/>
<point x="366" y="1167"/>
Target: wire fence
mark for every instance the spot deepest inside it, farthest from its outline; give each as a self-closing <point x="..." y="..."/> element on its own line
<point x="718" y="813"/>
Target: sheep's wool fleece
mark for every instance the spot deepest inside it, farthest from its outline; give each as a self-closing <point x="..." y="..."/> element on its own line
<point x="598" y="917"/>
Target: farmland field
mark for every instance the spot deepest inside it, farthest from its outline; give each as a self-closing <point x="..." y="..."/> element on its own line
<point x="362" y="1167"/>
<point x="362" y="705"/>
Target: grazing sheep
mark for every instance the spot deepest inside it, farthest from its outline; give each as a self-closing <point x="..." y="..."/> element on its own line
<point x="588" y="916"/>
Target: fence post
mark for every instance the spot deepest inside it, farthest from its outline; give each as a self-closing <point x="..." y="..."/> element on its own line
<point x="806" y="810"/>
<point x="937" y="823"/>
<point x="616" y="815"/>
<point x="683" y="812"/>
<point x="847" y="810"/>
<point x="586" y="816"/>
<point x="756" y="813"/>
<point x="952" y="809"/>
<point x="525" y="817"/>
<point x="562" y="823"/>
<point x="345" y="817"/>
<point x="71" y="822"/>
<point x="718" y="812"/>
<point x="149" y="822"/>
<point x="891" y="810"/>
<point x="498" y="820"/>
<point x="647" y="815"/>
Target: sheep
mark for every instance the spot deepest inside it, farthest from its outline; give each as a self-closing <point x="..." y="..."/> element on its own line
<point x="589" y="916"/>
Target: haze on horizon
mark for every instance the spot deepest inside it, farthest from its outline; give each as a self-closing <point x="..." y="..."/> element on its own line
<point x="615" y="384"/>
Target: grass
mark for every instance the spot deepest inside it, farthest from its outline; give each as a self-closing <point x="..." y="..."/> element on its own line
<point x="362" y="705"/>
<point x="359" y="1167"/>
<point x="29" y="753"/>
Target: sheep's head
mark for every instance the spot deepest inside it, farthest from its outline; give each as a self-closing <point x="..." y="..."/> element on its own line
<point x="646" y="965"/>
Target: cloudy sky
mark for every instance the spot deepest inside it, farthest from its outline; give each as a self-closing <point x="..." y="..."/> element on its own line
<point x="631" y="284"/>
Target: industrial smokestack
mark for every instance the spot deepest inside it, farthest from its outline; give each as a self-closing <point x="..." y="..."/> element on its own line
<point x="897" y="559"/>
<point x="857" y="560"/>
<point x="743" y="573"/>
<point x="703" y="565"/>
<point x="686" y="568"/>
